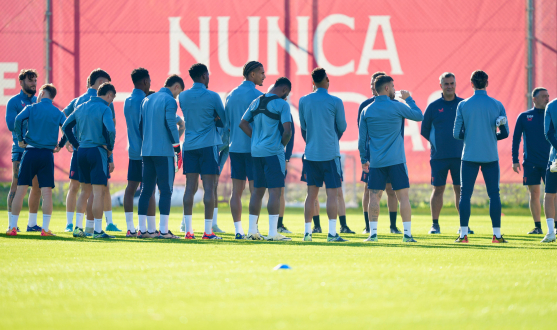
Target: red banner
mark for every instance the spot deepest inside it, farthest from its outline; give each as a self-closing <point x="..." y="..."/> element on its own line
<point x="414" y="41"/>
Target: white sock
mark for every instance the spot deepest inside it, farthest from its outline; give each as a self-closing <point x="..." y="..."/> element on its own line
<point x="307" y="228"/>
<point x="90" y="224"/>
<point x="13" y="221"/>
<point x="98" y="225"/>
<point x="372" y="228"/>
<point x="163" y="226"/>
<point x="215" y="213"/>
<point x="550" y="225"/>
<point x="407" y="228"/>
<point x="189" y="225"/>
<point x="497" y="232"/>
<point x="238" y="227"/>
<point x="9" y="218"/>
<point x="79" y="220"/>
<point x="46" y="221"/>
<point x="32" y="219"/>
<point x="332" y="227"/>
<point x="463" y="231"/>
<point x="151" y="224"/>
<point x="69" y="218"/>
<point x="108" y="216"/>
<point x="142" y="220"/>
<point x="208" y="226"/>
<point x="273" y="222"/>
<point x="129" y="221"/>
<point x="252" y="224"/>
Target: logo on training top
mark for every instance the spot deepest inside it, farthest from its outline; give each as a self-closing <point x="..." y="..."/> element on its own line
<point x="530" y="117"/>
<point x="441" y="110"/>
<point x="23" y="104"/>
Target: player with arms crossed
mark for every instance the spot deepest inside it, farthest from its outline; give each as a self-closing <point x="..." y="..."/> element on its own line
<point x="266" y="113"/>
<point x="381" y="121"/>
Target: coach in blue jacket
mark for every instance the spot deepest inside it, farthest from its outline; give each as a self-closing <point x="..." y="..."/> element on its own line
<point x="476" y="123"/>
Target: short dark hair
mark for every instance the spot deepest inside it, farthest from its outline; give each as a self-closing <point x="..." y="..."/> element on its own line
<point x="150" y="92"/>
<point x="50" y="89"/>
<point x="446" y="75"/>
<point x="537" y="90"/>
<point x="377" y="74"/>
<point x="479" y="79"/>
<point x="139" y="74"/>
<point x="96" y="74"/>
<point x="381" y="80"/>
<point x="249" y="67"/>
<point x="318" y="74"/>
<point x="28" y="73"/>
<point x="174" y="79"/>
<point x="283" y="81"/>
<point x="105" y="88"/>
<point x="197" y="70"/>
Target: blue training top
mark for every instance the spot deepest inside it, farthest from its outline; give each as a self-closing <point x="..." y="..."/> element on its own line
<point x="529" y="125"/>
<point x="44" y="120"/>
<point x="437" y="128"/>
<point x="237" y="102"/>
<point x="132" y="112"/>
<point x="15" y="105"/>
<point x="157" y="124"/>
<point x="550" y="123"/>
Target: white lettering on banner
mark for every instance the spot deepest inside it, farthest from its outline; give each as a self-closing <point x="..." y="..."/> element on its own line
<point x="319" y="54"/>
<point x="413" y="131"/>
<point x="253" y="52"/>
<point x="390" y="53"/>
<point x="298" y="52"/>
<point x="178" y="38"/>
<point x="6" y="83"/>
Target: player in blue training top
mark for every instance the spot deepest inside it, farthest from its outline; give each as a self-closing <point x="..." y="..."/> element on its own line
<point x="446" y="151"/>
<point x="200" y="107"/>
<point x="550" y="200"/>
<point x="535" y="152"/>
<point x="265" y="114"/>
<point x="381" y="122"/>
<point x="392" y="202"/>
<point x="28" y="83"/>
<point x="39" y="141"/>
<point x="477" y="120"/>
<point x="322" y="118"/>
<point x="93" y="139"/>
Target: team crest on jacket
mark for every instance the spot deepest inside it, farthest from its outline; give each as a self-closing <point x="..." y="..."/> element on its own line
<point x="530" y="117"/>
<point x="441" y="110"/>
<point x="23" y="104"/>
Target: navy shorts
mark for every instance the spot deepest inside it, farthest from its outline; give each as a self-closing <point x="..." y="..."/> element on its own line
<point x="39" y="162"/>
<point x="241" y="166"/>
<point x="440" y="170"/>
<point x="533" y="175"/>
<point x="269" y="171"/>
<point x="327" y="171"/>
<point x="550" y="181"/>
<point x="397" y="173"/>
<point x="201" y="161"/>
<point x="135" y="170"/>
<point x="365" y="177"/>
<point x="16" y="156"/>
<point x="74" y="167"/>
<point x="93" y="165"/>
<point x="223" y="156"/>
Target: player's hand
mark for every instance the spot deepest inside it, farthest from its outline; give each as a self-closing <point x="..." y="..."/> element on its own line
<point x="56" y="149"/>
<point x="516" y="168"/>
<point x="69" y="147"/>
<point x="108" y="152"/>
<point x="110" y="167"/>
<point x="404" y="94"/>
<point x="22" y="144"/>
<point x="177" y="157"/>
<point x="365" y="167"/>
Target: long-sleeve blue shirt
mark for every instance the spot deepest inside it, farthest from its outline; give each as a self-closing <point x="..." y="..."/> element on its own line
<point x="536" y="148"/>
<point x="550" y="123"/>
<point x="290" y="145"/>
<point x="94" y="125"/>
<point x="199" y="106"/>
<point x="157" y="124"/>
<point x="237" y="102"/>
<point x="43" y="122"/>
<point x="132" y="112"/>
<point x="15" y="105"/>
<point x="437" y="128"/>
<point x="475" y="124"/>
<point x="266" y="139"/>
<point x="322" y="116"/>
<point x="382" y="121"/>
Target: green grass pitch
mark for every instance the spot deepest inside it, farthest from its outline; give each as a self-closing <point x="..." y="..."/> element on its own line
<point x="67" y="283"/>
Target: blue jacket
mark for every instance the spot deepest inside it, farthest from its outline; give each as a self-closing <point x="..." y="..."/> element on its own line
<point x="132" y="112"/>
<point x="157" y="124"/>
<point x="237" y="103"/>
<point x="322" y="117"/>
<point x="199" y="106"/>
<point x="437" y="128"/>
<point x="382" y="121"/>
<point x="475" y="124"/>
<point x="43" y="122"/>
<point x="536" y="148"/>
<point x="15" y="105"/>
<point x="94" y="126"/>
<point x="290" y="145"/>
<point x="550" y="123"/>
